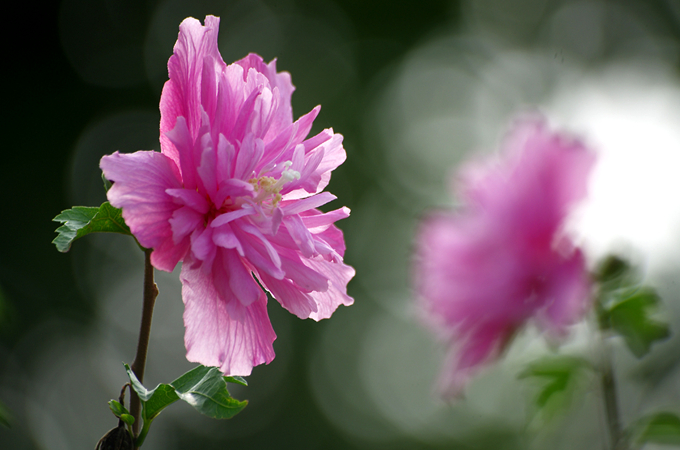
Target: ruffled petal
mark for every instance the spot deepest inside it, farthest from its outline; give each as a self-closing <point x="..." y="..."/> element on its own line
<point x="181" y="95"/>
<point x="223" y="236"/>
<point x="202" y="246"/>
<point x="168" y="254"/>
<point x="300" y="206"/>
<point x="230" y="216"/>
<point x="282" y="83"/>
<point x="190" y="198"/>
<point x="241" y="281"/>
<point x="289" y="296"/>
<point x="140" y="183"/>
<point x="300" y="234"/>
<point x="316" y="221"/>
<point x="333" y="155"/>
<point x="304" y="278"/>
<point x="280" y="148"/>
<point x="258" y="250"/>
<point x="184" y="221"/>
<point x="249" y="154"/>
<point x="338" y="274"/>
<point x="213" y="337"/>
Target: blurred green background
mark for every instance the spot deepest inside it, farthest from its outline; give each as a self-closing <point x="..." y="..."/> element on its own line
<point x="414" y="87"/>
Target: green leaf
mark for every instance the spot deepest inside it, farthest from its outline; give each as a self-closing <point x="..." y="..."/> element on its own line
<point x="83" y="220"/>
<point x="155" y="400"/>
<point x="162" y="396"/>
<point x="107" y="183"/>
<point x="558" y="377"/>
<point x="127" y="418"/>
<point x="659" y="428"/>
<point x="121" y="412"/>
<point x="205" y="388"/>
<point x="117" y="409"/>
<point x="633" y="318"/>
<point x="237" y="380"/>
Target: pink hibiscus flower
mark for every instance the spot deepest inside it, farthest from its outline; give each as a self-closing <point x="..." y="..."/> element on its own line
<point x="233" y="195"/>
<point x="504" y="258"/>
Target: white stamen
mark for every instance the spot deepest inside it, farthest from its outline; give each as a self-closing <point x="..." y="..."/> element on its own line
<point x="269" y="186"/>
<point x="286" y="176"/>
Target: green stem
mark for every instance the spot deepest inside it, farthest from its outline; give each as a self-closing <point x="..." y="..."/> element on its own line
<point x="142" y="435"/>
<point x="611" y="404"/>
<point x="150" y="294"/>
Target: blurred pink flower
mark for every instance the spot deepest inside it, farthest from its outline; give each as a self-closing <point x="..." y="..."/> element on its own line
<point x="483" y="272"/>
<point x="233" y="194"/>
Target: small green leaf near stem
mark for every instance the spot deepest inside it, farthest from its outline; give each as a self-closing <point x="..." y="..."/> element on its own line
<point x="204" y="388"/>
<point x="80" y="221"/>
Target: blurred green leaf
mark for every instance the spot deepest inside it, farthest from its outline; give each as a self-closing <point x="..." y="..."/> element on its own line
<point x="83" y="220"/>
<point x="633" y="318"/>
<point x="659" y="428"/>
<point x="627" y="307"/>
<point x="615" y="270"/>
<point x="559" y="376"/>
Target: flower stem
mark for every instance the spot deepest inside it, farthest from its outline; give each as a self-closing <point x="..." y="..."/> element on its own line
<point x="616" y="437"/>
<point x="150" y="294"/>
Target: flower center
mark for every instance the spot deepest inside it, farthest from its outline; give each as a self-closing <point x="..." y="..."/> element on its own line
<point x="269" y="188"/>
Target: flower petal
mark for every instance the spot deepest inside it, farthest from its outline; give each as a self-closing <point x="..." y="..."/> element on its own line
<point x="338" y="274"/>
<point x="318" y="221"/>
<point x="300" y="234"/>
<point x="190" y="198"/>
<point x="140" y="183"/>
<point x="290" y="296"/>
<point x="213" y="337"/>
<point x="184" y="221"/>
<point x="224" y="237"/>
<point x="181" y="95"/>
<point x="241" y="280"/>
<point x="281" y="81"/>
<point x="302" y="205"/>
